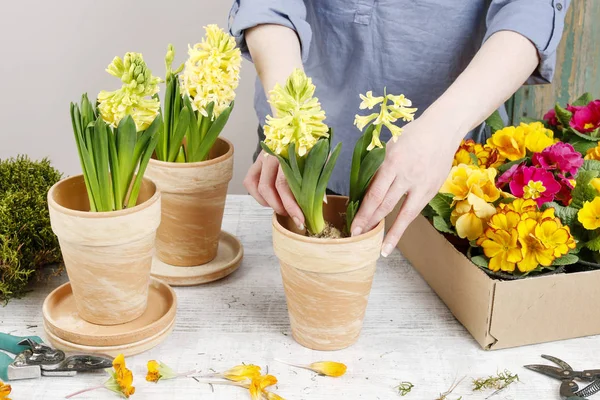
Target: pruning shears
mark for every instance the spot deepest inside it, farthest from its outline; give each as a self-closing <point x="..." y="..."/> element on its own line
<point x="569" y="389"/>
<point x="34" y="359"/>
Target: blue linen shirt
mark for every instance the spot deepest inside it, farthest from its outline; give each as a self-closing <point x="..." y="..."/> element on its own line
<point x="414" y="47"/>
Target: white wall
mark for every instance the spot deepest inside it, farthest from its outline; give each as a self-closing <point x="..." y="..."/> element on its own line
<point x="53" y="51"/>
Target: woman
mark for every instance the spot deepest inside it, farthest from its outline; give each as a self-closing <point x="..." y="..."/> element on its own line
<point x="458" y="60"/>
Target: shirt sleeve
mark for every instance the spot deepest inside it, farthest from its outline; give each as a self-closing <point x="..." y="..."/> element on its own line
<point x="540" y="21"/>
<point x="246" y="14"/>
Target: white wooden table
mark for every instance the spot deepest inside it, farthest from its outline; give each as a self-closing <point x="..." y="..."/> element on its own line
<point x="408" y="335"/>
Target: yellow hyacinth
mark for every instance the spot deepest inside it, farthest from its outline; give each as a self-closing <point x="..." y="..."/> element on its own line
<point x="135" y="95"/>
<point x="212" y="71"/>
<point x="387" y="116"/>
<point x="298" y="116"/>
<point x="589" y="215"/>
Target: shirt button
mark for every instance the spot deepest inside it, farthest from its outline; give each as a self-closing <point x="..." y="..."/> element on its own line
<point x="559" y="6"/>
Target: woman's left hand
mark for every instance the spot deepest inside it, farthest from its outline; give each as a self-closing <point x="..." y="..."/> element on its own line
<point x="416" y="165"/>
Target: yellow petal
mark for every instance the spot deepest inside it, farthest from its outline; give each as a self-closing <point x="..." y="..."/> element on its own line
<point x="328" y="368"/>
<point x="241" y="372"/>
<point x="4" y="390"/>
<point x="119" y="362"/>
<point x="272" y="396"/>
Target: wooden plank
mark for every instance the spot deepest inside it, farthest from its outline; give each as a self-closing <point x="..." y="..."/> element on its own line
<point x="408" y="334"/>
<point x="576" y="66"/>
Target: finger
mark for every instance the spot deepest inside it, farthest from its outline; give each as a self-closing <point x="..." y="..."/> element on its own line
<point x="372" y="200"/>
<point x="388" y="204"/>
<point x="251" y="181"/>
<point x="288" y="199"/>
<point x="266" y="185"/>
<point x="409" y="210"/>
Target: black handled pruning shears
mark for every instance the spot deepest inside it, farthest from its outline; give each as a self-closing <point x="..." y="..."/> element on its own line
<point x="34" y="359"/>
<point x="569" y="388"/>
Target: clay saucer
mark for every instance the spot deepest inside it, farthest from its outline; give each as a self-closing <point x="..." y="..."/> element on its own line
<point x="67" y="330"/>
<point x="228" y="259"/>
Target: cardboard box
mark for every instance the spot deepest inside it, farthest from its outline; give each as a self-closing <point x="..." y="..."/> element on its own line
<point x="501" y="314"/>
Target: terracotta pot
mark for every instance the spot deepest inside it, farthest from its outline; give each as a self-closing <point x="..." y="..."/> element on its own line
<point x="326" y="281"/>
<point x="108" y="255"/>
<point x="193" y="201"/>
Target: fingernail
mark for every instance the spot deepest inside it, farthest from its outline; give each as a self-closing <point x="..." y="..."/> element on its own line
<point x="299" y="224"/>
<point x="387" y="250"/>
<point x="356" y="231"/>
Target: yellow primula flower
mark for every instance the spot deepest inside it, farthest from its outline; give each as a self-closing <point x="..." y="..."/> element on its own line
<point x="158" y="370"/>
<point x="537" y="136"/>
<point x="595" y="182"/>
<point x="121" y="379"/>
<point x="589" y="215"/>
<point x="328" y="368"/>
<point x="486" y="156"/>
<point x="259" y="384"/>
<point x="241" y="373"/>
<point x="470" y="216"/>
<point x="553" y="235"/>
<point x="502" y="248"/>
<point x="535" y="253"/>
<point x="298" y="116"/>
<point x="212" y="71"/>
<point x="4" y="391"/>
<point x="510" y="142"/>
<point x="504" y="220"/>
<point x="465" y="179"/>
<point x="135" y="95"/>
<point x="593" y="153"/>
<point x="526" y="208"/>
<point x="387" y="116"/>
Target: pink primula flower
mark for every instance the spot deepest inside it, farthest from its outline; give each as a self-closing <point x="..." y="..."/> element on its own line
<point x="534" y="183"/>
<point x="586" y="119"/>
<point x="560" y="156"/>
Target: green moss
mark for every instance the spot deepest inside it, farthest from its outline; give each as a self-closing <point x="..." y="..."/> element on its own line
<point x="27" y="242"/>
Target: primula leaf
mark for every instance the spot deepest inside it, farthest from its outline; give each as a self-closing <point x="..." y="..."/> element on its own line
<point x="594" y="243"/>
<point x="495" y="122"/>
<point x="583" y="191"/>
<point x="441" y="204"/>
<point x="582" y="145"/>
<point x="567" y="259"/>
<point x="480" y="261"/>
<point x="529" y="120"/>
<point x="583" y="100"/>
<point x="563" y="115"/>
<point x="585" y="136"/>
<point x="442" y="225"/>
<point x="567" y="215"/>
<point x="474" y="159"/>
<point x="590" y="165"/>
<point x="505" y="167"/>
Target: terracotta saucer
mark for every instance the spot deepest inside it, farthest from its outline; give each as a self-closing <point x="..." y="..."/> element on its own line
<point x="63" y="323"/>
<point x="228" y="259"/>
<point x="127" y="350"/>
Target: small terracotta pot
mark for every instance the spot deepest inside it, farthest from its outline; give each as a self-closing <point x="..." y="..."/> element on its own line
<point x="327" y="281"/>
<point x="108" y="255"/>
<point x="193" y="201"/>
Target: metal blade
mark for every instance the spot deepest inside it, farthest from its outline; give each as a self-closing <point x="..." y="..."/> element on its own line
<point x="548" y="370"/>
<point x="82" y="363"/>
<point x="558" y="362"/>
<point x="23" y="372"/>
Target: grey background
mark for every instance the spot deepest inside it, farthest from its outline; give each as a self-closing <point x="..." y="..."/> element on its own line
<point x="53" y="51"/>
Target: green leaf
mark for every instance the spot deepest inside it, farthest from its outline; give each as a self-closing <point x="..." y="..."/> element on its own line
<point x="89" y="175"/>
<point x="480" y="261"/>
<point x="567" y="215"/>
<point x="137" y="184"/>
<point x="213" y="132"/>
<point x="193" y="134"/>
<point x="442" y="204"/>
<point x="563" y="115"/>
<point x="115" y="170"/>
<point x="101" y="161"/>
<point x="351" y="213"/>
<point x="567" y="259"/>
<point x="583" y="191"/>
<point x="495" y="122"/>
<point x="442" y="225"/>
<point x="474" y="159"/>
<point x="328" y="170"/>
<point x="354" y="170"/>
<point x="505" y="167"/>
<point x="529" y="120"/>
<point x="126" y="138"/>
<point x="181" y="127"/>
<point x="368" y="167"/>
<point x="583" y="100"/>
<point x="585" y="136"/>
<point x="594" y="243"/>
<point x="294" y="162"/>
<point x="590" y="165"/>
<point x="582" y="146"/>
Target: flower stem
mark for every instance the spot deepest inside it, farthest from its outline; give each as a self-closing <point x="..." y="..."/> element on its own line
<point x="295" y="365"/>
<point x="187" y="373"/>
<point x="83" y="391"/>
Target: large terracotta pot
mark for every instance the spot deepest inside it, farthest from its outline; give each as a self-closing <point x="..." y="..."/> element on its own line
<point x="108" y="255"/>
<point x="193" y="201"/>
<point x="326" y="281"/>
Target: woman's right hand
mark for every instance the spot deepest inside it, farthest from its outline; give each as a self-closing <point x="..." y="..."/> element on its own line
<point x="266" y="182"/>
